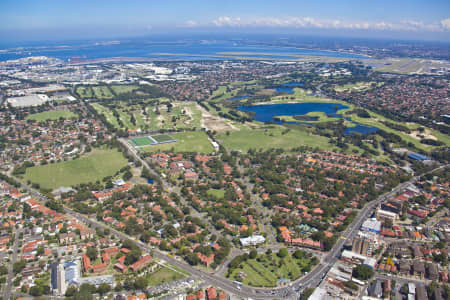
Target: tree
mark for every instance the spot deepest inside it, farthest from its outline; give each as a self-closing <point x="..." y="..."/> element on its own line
<point x="3" y="270"/>
<point x="363" y="272"/>
<point x="19" y="266"/>
<point x="140" y="283"/>
<point x="91" y="252"/>
<point x="24" y="289"/>
<point x="253" y="254"/>
<point x="299" y="254"/>
<point x="36" y="291"/>
<point x="283" y="253"/>
<point x="40" y="251"/>
<point x="307" y="293"/>
<point x="132" y="257"/>
<point x="103" y="288"/>
<point x="71" y="290"/>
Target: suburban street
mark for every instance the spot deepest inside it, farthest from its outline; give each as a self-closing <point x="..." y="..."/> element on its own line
<point x="9" y="280"/>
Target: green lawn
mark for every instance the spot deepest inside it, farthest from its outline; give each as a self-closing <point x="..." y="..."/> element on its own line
<point x="191" y="141"/>
<point x="102" y="92"/>
<point x="266" y="270"/>
<point x="85" y="92"/>
<point x="322" y="118"/>
<point x="359" y="86"/>
<point x="162" y="138"/>
<point x="375" y="119"/>
<point x="163" y="275"/>
<point x="126" y="119"/>
<point x="88" y="168"/>
<point x="217" y="193"/>
<point x="222" y="94"/>
<point x="272" y="137"/>
<point x="52" y="115"/>
<point x="107" y="113"/>
<point x="141" y="141"/>
<point x="121" y="89"/>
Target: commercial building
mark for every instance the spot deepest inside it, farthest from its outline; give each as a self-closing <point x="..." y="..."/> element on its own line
<point x="64" y="275"/>
<point x="371" y="225"/>
<point x="355" y="258"/>
<point x="387" y="218"/>
<point x="252" y="240"/>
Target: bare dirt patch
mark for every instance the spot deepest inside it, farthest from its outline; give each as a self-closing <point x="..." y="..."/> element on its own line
<point x="216" y="123"/>
<point x="423" y="135"/>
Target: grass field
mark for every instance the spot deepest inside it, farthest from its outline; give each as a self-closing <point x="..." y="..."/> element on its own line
<point x="192" y="141"/>
<point x="359" y="86"/>
<point x="270" y="268"/>
<point x="222" y="94"/>
<point x="162" y="138"/>
<point x="121" y="89"/>
<point x="52" y="115"/>
<point x="181" y="116"/>
<point x="107" y="113"/>
<point x="322" y="118"/>
<point x="163" y="275"/>
<point x="375" y="119"/>
<point x="272" y="137"/>
<point x="85" y="92"/>
<point x="102" y="92"/>
<point x="217" y="193"/>
<point x="88" y="168"/>
<point x="141" y="141"/>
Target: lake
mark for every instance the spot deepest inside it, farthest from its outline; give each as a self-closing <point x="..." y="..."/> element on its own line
<point x="285" y="89"/>
<point x="266" y="113"/>
<point x="293" y="83"/>
<point x="288" y="87"/>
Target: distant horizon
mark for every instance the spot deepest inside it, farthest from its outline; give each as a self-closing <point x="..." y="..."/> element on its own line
<point x="175" y="36"/>
<point x="44" y="20"/>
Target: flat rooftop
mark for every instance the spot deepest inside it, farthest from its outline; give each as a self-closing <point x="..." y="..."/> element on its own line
<point x="30" y="100"/>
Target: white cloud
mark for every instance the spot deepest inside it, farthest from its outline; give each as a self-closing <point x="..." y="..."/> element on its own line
<point x="309" y="22"/>
<point x="445" y="24"/>
<point x="191" y="23"/>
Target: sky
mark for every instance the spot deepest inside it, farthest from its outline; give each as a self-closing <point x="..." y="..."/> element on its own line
<point x="77" y="19"/>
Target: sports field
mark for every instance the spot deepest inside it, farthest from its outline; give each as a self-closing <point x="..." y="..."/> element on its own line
<point x="141" y="141"/>
<point x="191" y="141"/>
<point x="89" y="168"/>
<point x="52" y="115"/>
<point x="162" y="138"/>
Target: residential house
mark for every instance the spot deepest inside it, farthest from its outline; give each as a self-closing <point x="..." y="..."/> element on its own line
<point x="87" y="234"/>
<point x="433" y="272"/>
<point x="142" y="263"/>
<point x="419" y="269"/>
<point x="66" y="238"/>
<point x="405" y="268"/>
